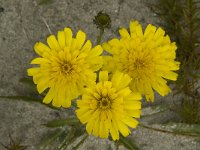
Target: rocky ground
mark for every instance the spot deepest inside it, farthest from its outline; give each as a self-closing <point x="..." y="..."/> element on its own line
<point x="24" y="22"/>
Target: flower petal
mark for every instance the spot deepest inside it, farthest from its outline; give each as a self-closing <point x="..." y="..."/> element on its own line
<point x="53" y="43"/>
<point x="80" y="36"/>
<point x="136" y="29"/>
<point x="61" y="39"/>
<point x="41" y="48"/>
<point x="103" y="76"/>
<point x="68" y="36"/>
<point x="124" y="33"/>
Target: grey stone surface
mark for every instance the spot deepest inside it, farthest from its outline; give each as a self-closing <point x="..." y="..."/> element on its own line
<point x="22" y="23"/>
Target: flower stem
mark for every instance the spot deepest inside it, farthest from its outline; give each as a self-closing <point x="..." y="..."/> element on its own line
<point x="117" y="145"/>
<point x="166" y="131"/>
<point x="100" y="36"/>
<point x="128" y="143"/>
<point x="81" y="142"/>
<point x="68" y="137"/>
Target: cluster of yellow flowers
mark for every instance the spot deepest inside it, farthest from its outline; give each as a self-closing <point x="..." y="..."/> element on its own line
<point x="109" y="100"/>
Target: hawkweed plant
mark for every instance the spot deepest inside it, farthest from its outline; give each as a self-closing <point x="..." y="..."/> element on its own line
<point x="104" y="89"/>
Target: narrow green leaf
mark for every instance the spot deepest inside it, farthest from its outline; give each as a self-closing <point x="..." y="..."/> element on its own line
<point x="81" y="142"/>
<point x="62" y="122"/>
<point x="26" y="80"/>
<point x="50" y="138"/>
<point x="24" y="98"/>
<point x="128" y="143"/>
<point x="156" y="110"/>
<point x="75" y="132"/>
<point x="63" y="135"/>
<point x="167" y="131"/>
<point x="28" y="99"/>
<point x="109" y="147"/>
<point x="41" y="2"/>
<point x="65" y="142"/>
<point x="186" y="128"/>
<point x="117" y="145"/>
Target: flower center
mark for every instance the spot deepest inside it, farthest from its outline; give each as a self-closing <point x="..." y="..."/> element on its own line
<point x="139" y="64"/>
<point x="104" y="103"/>
<point x="66" y="68"/>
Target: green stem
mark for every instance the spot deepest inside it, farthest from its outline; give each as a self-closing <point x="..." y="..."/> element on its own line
<point x="68" y="137"/>
<point x="117" y="145"/>
<point x="100" y="36"/>
<point x="128" y="143"/>
<point x="166" y="131"/>
<point x="27" y="99"/>
<point x="50" y="139"/>
<point x="153" y="114"/>
<point x="20" y="97"/>
<point x="62" y="122"/>
<point x="81" y="142"/>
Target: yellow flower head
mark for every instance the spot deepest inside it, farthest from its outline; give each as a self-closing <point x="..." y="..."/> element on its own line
<point x="148" y="58"/>
<point x="109" y="106"/>
<point x="66" y="66"/>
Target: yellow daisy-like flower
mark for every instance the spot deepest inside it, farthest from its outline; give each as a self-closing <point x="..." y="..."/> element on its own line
<point x="109" y="106"/>
<point x="66" y="66"/>
<point x="148" y="58"/>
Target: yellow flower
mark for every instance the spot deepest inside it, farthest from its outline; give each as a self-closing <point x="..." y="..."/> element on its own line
<point x="109" y="106"/>
<point x="66" y="66"/>
<point x="148" y="58"/>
